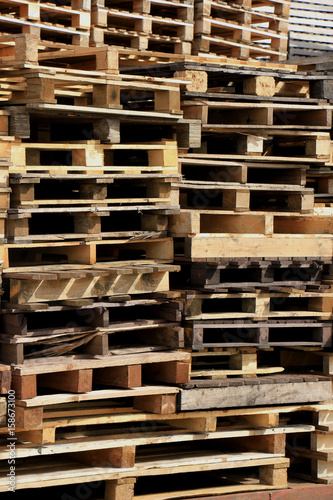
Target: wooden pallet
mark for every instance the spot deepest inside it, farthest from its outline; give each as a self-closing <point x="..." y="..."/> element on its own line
<point x="65" y="24"/>
<point x="206" y="306"/>
<point x="238" y="80"/>
<point x="143" y="23"/>
<point x="215" y="221"/>
<point x="108" y="440"/>
<point x="35" y="285"/>
<point x="90" y="157"/>
<point x="313" y="455"/>
<point x="243" y="150"/>
<point x="91" y="313"/>
<point x="200" y="334"/>
<point x="310" y="29"/>
<point x="243" y="172"/>
<point x="247" y="275"/>
<point x="274" y="390"/>
<point x="96" y="89"/>
<point x="62" y="411"/>
<point x="244" y="197"/>
<point x="241" y="30"/>
<point x="125" y="38"/>
<point x="43" y="414"/>
<point x="255" y="116"/>
<point x="136" y="336"/>
<point x="229" y="362"/>
<point x="119" y="370"/>
<point x="71" y="123"/>
<point x="273" y="473"/>
<point x="84" y="209"/>
<point x="37" y="190"/>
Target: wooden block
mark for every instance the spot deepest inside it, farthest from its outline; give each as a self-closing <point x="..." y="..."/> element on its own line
<point x="236" y="200"/>
<point x="119" y="489"/>
<point x="98" y="346"/>
<point x="26" y="49"/>
<point x="172" y="372"/>
<point x="19" y="122"/>
<point x="203" y="424"/>
<point x="12" y="353"/>
<point x="161" y="403"/>
<point x="268" y="444"/>
<point x="25" y="386"/>
<point x="40" y="88"/>
<point x="293" y="89"/>
<point x="196" y="113"/>
<point x="77" y="381"/>
<point x="107" y="130"/>
<point x="5" y="381"/>
<point x="17" y="227"/>
<point x="185" y="223"/>
<point x="319" y="147"/>
<point x="243" y="361"/>
<point x="250" y="144"/>
<point x="199" y="80"/>
<point x="28" y="418"/>
<point x="325" y="418"/>
<point x="115" y="457"/>
<point x="188" y="134"/>
<point x="152" y="222"/>
<point x="265" y="420"/>
<point x="274" y="475"/>
<point x="105" y="95"/>
<point x="321" y="89"/>
<point x="38" y="436"/>
<point x="119" y="376"/>
<point x="107" y="60"/>
<point x="88" y="223"/>
<point x="259" y="85"/>
<point x="164" y="157"/>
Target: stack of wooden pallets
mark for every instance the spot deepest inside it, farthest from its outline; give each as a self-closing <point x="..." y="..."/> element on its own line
<point x="166" y="251"/>
<point x="310" y="29"/>
<point x="246" y="29"/>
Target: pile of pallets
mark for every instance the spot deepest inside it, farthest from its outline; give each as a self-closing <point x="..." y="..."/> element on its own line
<point x="310" y="28"/>
<point x="166" y="248"/>
<point x="247" y="29"/>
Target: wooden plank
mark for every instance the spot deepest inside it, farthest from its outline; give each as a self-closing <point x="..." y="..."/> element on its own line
<point x="34" y="367"/>
<point x="278" y="393"/>
<point x="217" y="246"/>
